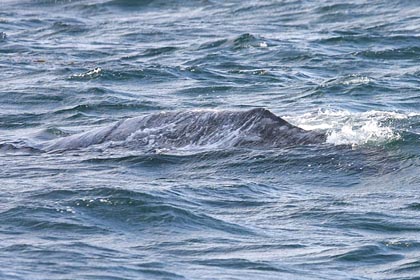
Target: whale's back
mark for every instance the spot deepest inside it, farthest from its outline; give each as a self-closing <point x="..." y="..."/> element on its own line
<point x="251" y="128"/>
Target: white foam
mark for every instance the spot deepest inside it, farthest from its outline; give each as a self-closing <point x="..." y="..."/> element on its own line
<point x="263" y="45"/>
<point x="91" y="73"/>
<point x="357" y="81"/>
<point x="354" y="79"/>
<point x="351" y="128"/>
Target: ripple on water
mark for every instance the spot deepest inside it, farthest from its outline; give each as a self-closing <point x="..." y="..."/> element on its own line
<point x="114" y="210"/>
<point x="405" y="53"/>
<point x="45" y="220"/>
<point x="154" y="73"/>
<point x="368" y="255"/>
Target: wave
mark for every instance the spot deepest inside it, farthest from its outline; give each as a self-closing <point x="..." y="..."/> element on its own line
<point x="369" y="254"/>
<point x="394" y="53"/>
<point x="116" y="208"/>
<point x="18" y="147"/>
<point x="243" y="41"/>
<point x="155" y="73"/>
<point x="144" y="4"/>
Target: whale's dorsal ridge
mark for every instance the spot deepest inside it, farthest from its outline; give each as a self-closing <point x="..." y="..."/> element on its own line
<point x="265" y="113"/>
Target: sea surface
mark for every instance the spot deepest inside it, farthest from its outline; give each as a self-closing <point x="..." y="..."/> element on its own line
<point x="348" y="208"/>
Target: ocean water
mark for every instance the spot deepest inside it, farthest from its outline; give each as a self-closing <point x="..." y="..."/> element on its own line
<point x="346" y="208"/>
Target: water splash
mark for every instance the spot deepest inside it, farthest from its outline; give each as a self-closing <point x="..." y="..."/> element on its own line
<point x="349" y="128"/>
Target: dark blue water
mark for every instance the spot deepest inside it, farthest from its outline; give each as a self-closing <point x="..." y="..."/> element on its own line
<point x="345" y="209"/>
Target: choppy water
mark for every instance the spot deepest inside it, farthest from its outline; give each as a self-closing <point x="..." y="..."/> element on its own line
<point x="344" y="209"/>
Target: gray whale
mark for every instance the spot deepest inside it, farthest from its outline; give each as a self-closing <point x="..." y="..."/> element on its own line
<point x="202" y="128"/>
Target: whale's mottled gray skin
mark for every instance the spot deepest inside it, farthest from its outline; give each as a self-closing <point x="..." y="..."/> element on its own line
<point x="251" y="128"/>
